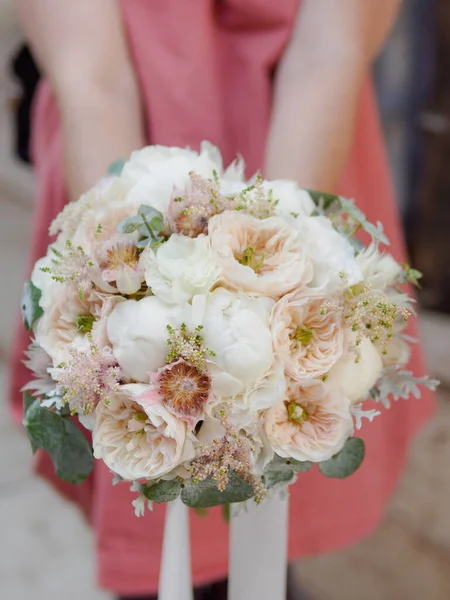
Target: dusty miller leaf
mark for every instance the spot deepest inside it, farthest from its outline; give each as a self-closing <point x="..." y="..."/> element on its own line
<point x="400" y="384"/>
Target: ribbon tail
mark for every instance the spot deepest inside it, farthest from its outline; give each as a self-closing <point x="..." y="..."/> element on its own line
<point x="175" y="581"/>
<point x="258" y="551"/>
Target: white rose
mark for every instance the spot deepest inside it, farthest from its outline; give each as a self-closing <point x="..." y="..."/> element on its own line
<point x="356" y="377"/>
<point x="137" y="439"/>
<point x="292" y="200"/>
<point x="261" y="256"/>
<point x="378" y="270"/>
<point x="154" y="173"/>
<point x="236" y="329"/>
<point x="182" y="268"/>
<point x="138" y="334"/>
<point x="332" y="255"/>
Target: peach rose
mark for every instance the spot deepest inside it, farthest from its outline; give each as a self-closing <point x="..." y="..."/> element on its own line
<point x="265" y="257"/>
<point x="58" y="327"/>
<point x="138" y="439"/>
<point x="307" y="337"/>
<point x="312" y="424"/>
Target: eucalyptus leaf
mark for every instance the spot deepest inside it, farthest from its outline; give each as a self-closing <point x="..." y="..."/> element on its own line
<point x="148" y="212"/>
<point x="143" y="243"/>
<point x="116" y="167"/>
<point x="60" y="437"/>
<point x="282" y="470"/>
<point x="323" y="200"/>
<point x="346" y="462"/>
<point x="205" y="494"/>
<point x="29" y="304"/>
<point x="130" y="224"/>
<point x="163" y="491"/>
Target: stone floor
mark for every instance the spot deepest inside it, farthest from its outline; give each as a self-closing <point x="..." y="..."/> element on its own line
<point x="45" y="548"/>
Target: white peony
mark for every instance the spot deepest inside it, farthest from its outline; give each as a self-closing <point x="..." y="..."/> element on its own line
<point x="181" y="268"/>
<point x="267" y="257"/>
<point x="154" y="173"/>
<point x="138" y="334"/>
<point x="378" y="270"/>
<point x="331" y="253"/>
<point x="356" y="376"/>
<point x="236" y="329"/>
<point x="137" y="439"/>
<point x="292" y="201"/>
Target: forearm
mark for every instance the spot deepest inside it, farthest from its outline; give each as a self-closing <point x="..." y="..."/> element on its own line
<point x="82" y="50"/>
<point x="312" y="125"/>
<point x="104" y="127"/>
<point x="318" y="86"/>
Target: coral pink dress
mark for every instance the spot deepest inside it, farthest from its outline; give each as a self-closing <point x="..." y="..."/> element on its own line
<point x="205" y="70"/>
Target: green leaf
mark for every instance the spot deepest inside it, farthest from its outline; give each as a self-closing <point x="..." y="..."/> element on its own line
<point x="282" y="470"/>
<point x="323" y="200"/>
<point x="129" y="224"/>
<point x="116" y="167"/>
<point x="29" y="304"/>
<point x="28" y="400"/>
<point x="69" y="449"/>
<point x="149" y="212"/>
<point x="157" y="224"/>
<point x="345" y="462"/>
<point x="163" y="491"/>
<point x="202" y="512"/>
<point x="143" y="243"/>
<point x="205" y="494"/>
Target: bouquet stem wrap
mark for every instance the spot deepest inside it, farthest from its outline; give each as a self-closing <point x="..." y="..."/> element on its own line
<point x="258" y="551"/>
<point x="175" y="576"/>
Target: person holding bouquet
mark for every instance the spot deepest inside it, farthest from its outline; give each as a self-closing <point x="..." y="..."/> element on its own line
<point x="284" y="84"/>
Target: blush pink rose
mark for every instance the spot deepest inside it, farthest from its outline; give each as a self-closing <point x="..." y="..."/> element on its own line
<point x="312" y="424"/>
<point x="307" y="337"/>
<point x="262" y="256"/>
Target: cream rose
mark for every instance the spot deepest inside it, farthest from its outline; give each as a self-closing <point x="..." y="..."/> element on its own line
<point x="307" y="337"/>
<point x="57" y="329"/>
<point x="332" y="256"/>
<point x="137" y="439"/>
<point x="236" y="329"/>
<point x="138" y="334"/>
<point x="181" y="268"/>
<point x="265" y="257"/>
<point x="312" y="424"/>
<point x="358" y="369"/>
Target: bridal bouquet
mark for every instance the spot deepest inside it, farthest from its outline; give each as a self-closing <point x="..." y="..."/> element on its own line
<point x="217" y="336"/>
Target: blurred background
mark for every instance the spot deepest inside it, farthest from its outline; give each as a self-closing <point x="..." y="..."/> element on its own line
<point x="45" y="547"/>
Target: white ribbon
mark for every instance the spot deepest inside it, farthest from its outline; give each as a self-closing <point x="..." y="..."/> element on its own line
<point x="258" y="551"/>
<point x="175" y="581"/>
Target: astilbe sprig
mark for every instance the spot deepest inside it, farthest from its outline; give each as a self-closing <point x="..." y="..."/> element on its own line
<point x="229" y="453"/>
<point x="71" y="266"/>
<point x="370" y="314"/>
<point x="187" y="346"/>
<point x="91" y="376"/>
